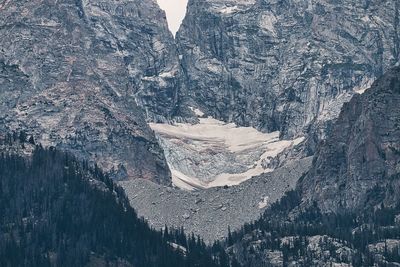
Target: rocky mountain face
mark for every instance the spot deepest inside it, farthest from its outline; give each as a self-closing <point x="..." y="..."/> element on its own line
<point x="79" y="74"/>
<point x="359" y="163"/>
<point x="285" y="65"/>
<point x="86" y="76"/>
<point x="345" y="210"/>
<point x="72" y="74"/>
<point x="138" y="32"/>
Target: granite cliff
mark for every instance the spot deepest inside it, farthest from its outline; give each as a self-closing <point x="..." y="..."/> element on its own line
<point x="77" y="75"/>
<point x="285" y="65"/>
<point x="358" y="165"/>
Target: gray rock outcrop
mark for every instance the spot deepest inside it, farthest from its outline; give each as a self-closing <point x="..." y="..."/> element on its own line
<point x="340" y="209"/>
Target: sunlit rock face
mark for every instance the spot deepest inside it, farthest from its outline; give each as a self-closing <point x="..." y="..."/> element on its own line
<point x="285" y="66"/>
<point x="73" y="71"/>
<point x="213" y="153"/>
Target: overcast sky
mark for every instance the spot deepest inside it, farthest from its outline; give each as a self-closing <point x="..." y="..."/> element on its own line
<point x="175" y="10"/>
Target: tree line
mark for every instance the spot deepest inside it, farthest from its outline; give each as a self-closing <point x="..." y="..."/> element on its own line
<point x="57" y="211"/>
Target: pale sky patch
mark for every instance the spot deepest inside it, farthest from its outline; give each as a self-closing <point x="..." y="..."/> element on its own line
<point x="175" y="10"/>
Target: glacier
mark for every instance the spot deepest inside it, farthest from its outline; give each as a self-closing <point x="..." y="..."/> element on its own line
<point x="213" y="153"/>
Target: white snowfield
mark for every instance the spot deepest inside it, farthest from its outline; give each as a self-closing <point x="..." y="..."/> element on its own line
<point x="212" y="136"/>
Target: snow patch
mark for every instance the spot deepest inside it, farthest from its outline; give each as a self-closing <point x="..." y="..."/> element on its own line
<point x="273" y="148"/>
<point x="229" y="10"/>
<point x="48" y="23"/>
<point x="365" y="84"/>
<point x="168" y="74"/>
<point x="263" y="203"/>
<point x="212" y="132"/>
<point x="197" y="111"/>
<point x="178" y="247"/>
<point x="228" y="7"/>
<point x="184" y="181"/>
<point x="268" y="21"/>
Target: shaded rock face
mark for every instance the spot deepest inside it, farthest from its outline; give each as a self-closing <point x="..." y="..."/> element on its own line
<point x="285" y="65"/>
<point x="66" y="78"/>
<point x="359" y="163"/>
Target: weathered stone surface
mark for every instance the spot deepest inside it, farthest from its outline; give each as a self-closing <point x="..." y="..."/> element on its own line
<point x="359" y="163"/>
<point x="285" y="64"/>
<point x="66" y="77"/>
